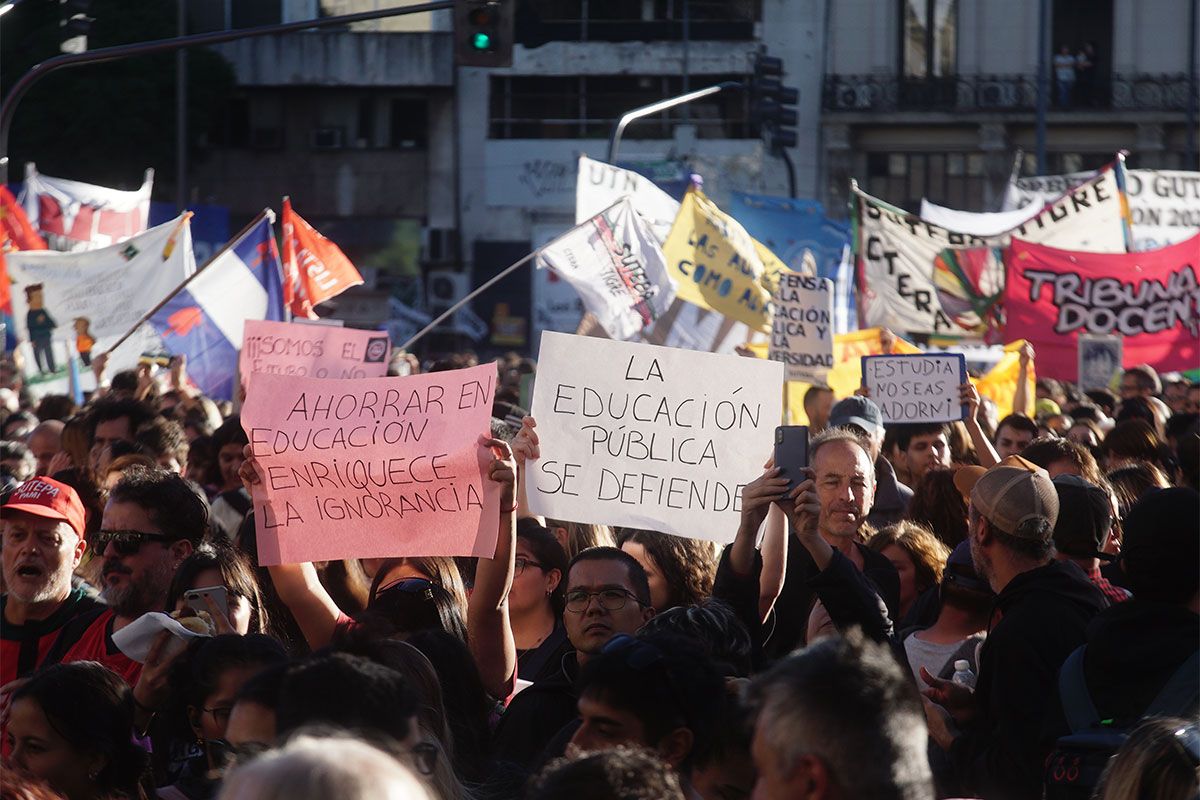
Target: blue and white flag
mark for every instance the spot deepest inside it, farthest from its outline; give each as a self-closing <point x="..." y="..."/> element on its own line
<point x="204" y="321"/>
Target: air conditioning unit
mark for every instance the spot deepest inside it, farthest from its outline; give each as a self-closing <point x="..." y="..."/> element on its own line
<point x="266" y="138"/>
<point x="997" y="94"/>
<point x="444" y="288"/>
<point x="855" y="96"/>
<point x="328" y="138"/>
<point x="440" y="245"/>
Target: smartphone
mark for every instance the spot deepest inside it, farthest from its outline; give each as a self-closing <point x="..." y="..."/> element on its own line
<point x="194" y="599"/>
<point x="791" y="453"/>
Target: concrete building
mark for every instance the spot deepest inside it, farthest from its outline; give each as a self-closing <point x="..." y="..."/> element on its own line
<point x="933" y="98"/>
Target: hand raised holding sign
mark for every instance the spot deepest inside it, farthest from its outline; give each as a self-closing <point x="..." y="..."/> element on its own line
<point x="525" y="445"/>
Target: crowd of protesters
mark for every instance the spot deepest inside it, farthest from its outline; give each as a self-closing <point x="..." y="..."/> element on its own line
<point x="993" y="609"/>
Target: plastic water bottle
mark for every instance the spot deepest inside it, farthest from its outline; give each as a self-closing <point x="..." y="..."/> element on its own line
<point x="963" y="674"/>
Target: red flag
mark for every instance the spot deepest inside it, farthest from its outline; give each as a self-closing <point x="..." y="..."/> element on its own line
<point x="15" y="234"/>
<point x="314" y="268"/>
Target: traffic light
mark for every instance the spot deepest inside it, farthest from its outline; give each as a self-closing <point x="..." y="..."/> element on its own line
<point x="483" y="33"/>
<point x="773" y="105"/>
<point x="74" y="23"/>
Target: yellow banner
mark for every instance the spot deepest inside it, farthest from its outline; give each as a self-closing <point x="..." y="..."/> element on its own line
<point x="718" y="266"/>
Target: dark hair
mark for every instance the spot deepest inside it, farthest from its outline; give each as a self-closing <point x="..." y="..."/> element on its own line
<point x="197" y="673"/>
<point x="663" y="679"/>
<point x="264" y="688"/>
<point x="237" y="576"/>
<point x="621" y="773"/>
<point x="91" y="707"/>
<point x="939" y="505"/>
<point x="468" y="706"/>
<point x="1018" y="422"/>
<point x="1048" y="450"/>
<point x="1138" y="408"/>
<point x="1086" y="412"/>
<point x="906" y="432"/>
<point x="17" y="416"/>
<point x="1180" y="425"/>
<point x="688" y="566"/>
<point x="637" y="575"/>
<point x="230" y="432"/>
<point x="713" y="625"/>
<point x="173" y="506"/>
<point x="1133" y="439"/>
<point x="163" y="437"/>
<point x="1131" y="482"/>
<point x="1105" y="400"/>
<point x="1033" y="538"/>
<point x="55" y="406"/>
<point x="1161" y="547"/>
<point x="441" y="570"/>
<point x="348" y="692"/>
<point x="813" y="393"/>
<point x="549" y="553"/>
<point x="112" y="408"/>
<point x="125" y="380"/>
<point x="11" y="449"/>
<point x="839" y="699"/>
<point x="1146" y="378"/>
<point x="81" y="481"/>
<point x="197" y="419"/>
<point x="413" y="607"/>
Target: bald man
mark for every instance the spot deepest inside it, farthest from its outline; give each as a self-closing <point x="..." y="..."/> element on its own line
<point x="44" y="442"/>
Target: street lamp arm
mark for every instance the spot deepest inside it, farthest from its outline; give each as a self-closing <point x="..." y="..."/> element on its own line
<point x="39" y="71"/>
<point x="661" y="105"/>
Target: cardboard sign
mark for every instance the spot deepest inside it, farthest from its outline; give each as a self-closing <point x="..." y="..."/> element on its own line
<point x="649" y="437"/>
<point x="802" y="331"/>
<point x="916" y="388"/>
<point x="372" y="468"/>
<point x="1099" y="360"/>
<point x="312" y="351"/>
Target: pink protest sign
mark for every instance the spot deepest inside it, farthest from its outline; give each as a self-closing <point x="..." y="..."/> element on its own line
<point x="374" y="467"/>
<point x="312" y="351"/>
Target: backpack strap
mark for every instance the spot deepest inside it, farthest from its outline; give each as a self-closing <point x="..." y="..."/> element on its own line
<point x="1179" y="695"/>
<point x="1077" y="703"/>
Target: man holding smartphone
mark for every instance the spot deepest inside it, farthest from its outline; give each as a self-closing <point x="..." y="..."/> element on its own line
<point x="860" y="415"/>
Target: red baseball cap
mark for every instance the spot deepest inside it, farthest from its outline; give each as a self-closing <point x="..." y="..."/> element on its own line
<point x="46" y="497"/>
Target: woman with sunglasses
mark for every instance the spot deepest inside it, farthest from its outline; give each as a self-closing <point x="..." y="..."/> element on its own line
<point x="489" y="631"/>
<point x="204" y="683"/>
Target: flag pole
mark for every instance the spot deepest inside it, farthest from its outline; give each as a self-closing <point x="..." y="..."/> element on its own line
<point x="266" y="212"/>
<point x="502" y="274"/>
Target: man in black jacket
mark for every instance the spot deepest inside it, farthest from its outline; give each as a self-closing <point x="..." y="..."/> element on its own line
<point x="1135" y="647"/>
<point x="1045" y="608"/>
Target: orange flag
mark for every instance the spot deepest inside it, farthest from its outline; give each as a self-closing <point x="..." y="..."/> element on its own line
<point x="314" y="268"/>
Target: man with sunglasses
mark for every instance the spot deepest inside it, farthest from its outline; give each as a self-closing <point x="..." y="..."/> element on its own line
<point x="152" y="522"/>
<point x="607" y="594"/>
<point x="43" y="530"/>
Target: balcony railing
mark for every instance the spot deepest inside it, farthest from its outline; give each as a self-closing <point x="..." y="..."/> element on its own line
<point x="868" y="93"/>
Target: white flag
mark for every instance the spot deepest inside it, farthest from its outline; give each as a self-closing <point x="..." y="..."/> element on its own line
<point x="72" y="215"/>
<point x="599" y="185"/>
<point x="617" y="266"/>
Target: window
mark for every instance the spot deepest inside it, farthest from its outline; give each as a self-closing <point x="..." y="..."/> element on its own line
<point x="410" y="124"/>
<point x="956" y="180"/>
<point x="929" y="38"/>
<point x="587" y="107"/>
<point x="541" y="21"/>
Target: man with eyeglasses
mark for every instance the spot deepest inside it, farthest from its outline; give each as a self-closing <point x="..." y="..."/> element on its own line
<point x="152" y="522"/>
<point x="607" y="594"/>
<point x="43" y="542"/>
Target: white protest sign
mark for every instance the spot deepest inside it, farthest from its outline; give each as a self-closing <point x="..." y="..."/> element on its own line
<point x="1100" y="358"/>
<point x="649" y="437"/>
<point x="921" y="387"/>
<point x="313" y="351"/>
<point x="802" y="329"/>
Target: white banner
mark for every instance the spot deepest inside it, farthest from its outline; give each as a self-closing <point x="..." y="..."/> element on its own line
<point x="649" y="437"/>
<point x="617" y="267"/>
<point x="905" y="261"/>
<point x="802" y="330"/>
<point x="599" y="185"/>
<point x="978" y="224"/>
<point x="916" y="387"/>
<point x="72" y="215"/>
<point x="1164" y="204"/>
<point x="91" y="298"/>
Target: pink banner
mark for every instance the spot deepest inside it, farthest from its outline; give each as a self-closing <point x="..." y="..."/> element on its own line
<point x="1150" y="299"/>
<point x="372" y="468"/>
<point x="314" y="351"/>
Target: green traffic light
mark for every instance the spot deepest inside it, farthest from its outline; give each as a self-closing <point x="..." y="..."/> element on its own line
<point x="481" y="41"/>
